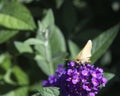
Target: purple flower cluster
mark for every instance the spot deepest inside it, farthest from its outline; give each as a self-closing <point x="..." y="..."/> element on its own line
<point x="77" y="80"/>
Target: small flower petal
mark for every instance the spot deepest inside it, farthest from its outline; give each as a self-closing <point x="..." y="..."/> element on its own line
<point x="91" y="94"/>
<point x="85" y="73"/>
<point x="95" y="82"/>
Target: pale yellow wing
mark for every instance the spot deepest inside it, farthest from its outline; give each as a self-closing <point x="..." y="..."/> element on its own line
<point x="84" y="56"/>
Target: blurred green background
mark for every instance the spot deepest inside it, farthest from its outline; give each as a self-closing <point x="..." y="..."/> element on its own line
<point x="36" y="35"/>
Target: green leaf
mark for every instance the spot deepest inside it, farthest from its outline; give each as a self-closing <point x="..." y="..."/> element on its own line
<point x="23" y="47"/>
<point x="59" y="3"/>
<point x="74" y="49"/>
<point x="14" y="15"/>
<point x="5" y="65"/>
<point x="57" y="41"/>
<point x="43" y="64"/>
<point x="102" y="42"/>
<point x="44" y="53"/>
<point x="48" y="19"/>
<point x="53" y="45"/>
<point x="21" y="76"/>
<point x="33" y="41"/>
<point x="6" y="35"/>
<point x="7" y="77"/>
<point x="35" y="86"/>
<point x="51" y="51"/>
<point x="59" y="58"/>
<point x="22" y="91"/>
<point x="48" y="91"/>
<point x="106" y="58"/>
<point x="79" y="4"/>
<point x="109" y="76"/>
<point x="51" y="91"/>
<point x="5" y="61"/>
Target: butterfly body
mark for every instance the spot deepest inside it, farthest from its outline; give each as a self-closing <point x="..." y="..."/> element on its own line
<point x="84" y="56"/>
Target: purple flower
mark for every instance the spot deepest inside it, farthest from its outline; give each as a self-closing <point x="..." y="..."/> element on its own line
<point x="77" y="80"/>
<point x="91" y="94"/>
<point x="60" y="70"/>
<point x="95" y="82"/>
<point x="45" y="82"/>
<point x="104" y="80"/>
<point x="72" y="63"/>
<point x="52" y="79"/>
<point x="85" y="87"/>
<point x="85" y="72"/>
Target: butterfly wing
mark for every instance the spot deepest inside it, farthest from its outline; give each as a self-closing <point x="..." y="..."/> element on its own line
<point x="85" y="54"/>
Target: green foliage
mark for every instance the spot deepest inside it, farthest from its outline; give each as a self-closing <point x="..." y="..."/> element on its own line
<point x="48" y="36"/>
<point x="6" y="35"/>
<point x="30" y="53"/>
<point x="102" y="42"/>
<point x="21" y="79"/>
<point x="22" y="91"/>
<point x="23" y="47"/>
<point x="48" y="91"/>
<point x="109" y="76"/>
<point x="59" y="3"/>
<point x="14" y="15"/>
<point x="74" y="49"/>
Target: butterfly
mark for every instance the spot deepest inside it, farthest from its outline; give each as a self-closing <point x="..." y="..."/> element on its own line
<point x="84" y="56"/>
